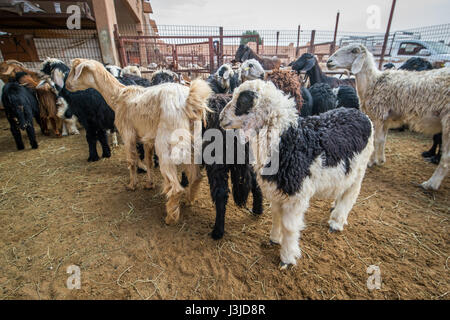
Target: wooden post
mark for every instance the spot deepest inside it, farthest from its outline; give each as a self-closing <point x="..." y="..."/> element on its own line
<point x="386" y="36"/>
<point x="297" y="50"/>
<point x="333" y="46"/>
<point x="312" y="49"/>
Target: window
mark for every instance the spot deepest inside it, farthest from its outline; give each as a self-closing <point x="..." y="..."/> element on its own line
<point x="410" y="49"/>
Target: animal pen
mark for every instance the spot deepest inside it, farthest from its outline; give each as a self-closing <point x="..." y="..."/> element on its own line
<point x="202" y="49"/>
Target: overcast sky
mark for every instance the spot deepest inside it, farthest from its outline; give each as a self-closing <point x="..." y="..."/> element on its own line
<point x="311" y="14"/>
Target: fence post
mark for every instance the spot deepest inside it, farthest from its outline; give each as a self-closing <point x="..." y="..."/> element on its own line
<point x="175" y="57"/>
<point x="278" y="37"/>
<point x="221" y="59"/>
<point x="312" y="49"/>
<point x="120" y="46"/>
<point x="333" y="46"/>
<point x="386" y="36"/>
<point x="257" y="43"/>
<point x="211" y="55"/>
<point x="297" y="50"/>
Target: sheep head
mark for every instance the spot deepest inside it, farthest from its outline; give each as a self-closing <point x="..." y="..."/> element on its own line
<point x="224" y="75"/>
<point x="252" y="70"/>
<point x="81" y="75"/>
<point x="305" y="63"/>
<point x="242" y="53"/>
<point x="352" y="58"/>
<point x="256" y="105"/>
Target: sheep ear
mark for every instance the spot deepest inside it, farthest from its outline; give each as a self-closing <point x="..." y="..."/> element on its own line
<point x="246" y="55"/>
<point x="358" y="63"/>
<point x="310" y="63"/>
<point x="79" y="69"/>
<point x="9" y="71"/>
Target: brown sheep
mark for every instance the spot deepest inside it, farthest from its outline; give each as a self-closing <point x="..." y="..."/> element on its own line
<point x="46" y="97"/>
<point x="244" y="53"/>
<point x="288" y="82"/>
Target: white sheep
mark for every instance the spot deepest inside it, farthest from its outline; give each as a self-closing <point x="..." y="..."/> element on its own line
<point x="391" y="98"/>
<point x="151" y="116"/>
<point x="324" y="156"/>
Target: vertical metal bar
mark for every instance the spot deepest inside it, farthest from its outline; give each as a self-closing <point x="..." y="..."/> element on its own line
<point x="333" y="46"/>
<point x="278" y="38"/>
<point x="386" y="36"/>
<point x="221" y="59"/>
<point x="211" y="55"/>
<point x="257" y="43"/>
<point x="122" y="53"/>
<point x="298" y="41"/>
<point x="175" y="57"/>
<point x="312" y="49"/>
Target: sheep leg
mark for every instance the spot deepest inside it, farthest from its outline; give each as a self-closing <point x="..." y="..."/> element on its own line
<point x="275" y="233"/>
<point x="32" y="136"/>
<point x="432" y="152"/>
<point x="194" y="178"/>
<point x="173" y="190"/>
<point x="103" y="139"/>
<point x="15" y="131"/>
<point x="442" y="170"/>
<point x="343" y="205"/>
<point x="72" y="126"/>
<point x="91" y="138"/>
<point x="292" y="215"/>
<point x="149" y="150"/>
<point x="64" y="130"/>
<point x="378" y="156"/>
<point x="132" y="160"/>
<point x="55" y="127"/>
<point x="218" y="184"/>
<point x="257" y="196"/>
<point x="43" y="123"/>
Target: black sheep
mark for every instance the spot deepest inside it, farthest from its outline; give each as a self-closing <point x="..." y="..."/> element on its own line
<point x="21" y="106"/>
<point x="309" y="64"/>
<point x="243" y="178"/>
<point x="416" y="64"/>
<point x="92" y="111"/>
<point x="347" y="97"/>
<point x="308" y="102"/>
<point x="323" y="98"/>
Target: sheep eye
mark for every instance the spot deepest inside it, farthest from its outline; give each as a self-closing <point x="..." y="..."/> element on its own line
<point x="250" y="66"/>
<point x="356" y="50"/>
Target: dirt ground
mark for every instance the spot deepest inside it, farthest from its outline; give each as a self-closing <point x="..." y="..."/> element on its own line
<point x="58" y="210"/>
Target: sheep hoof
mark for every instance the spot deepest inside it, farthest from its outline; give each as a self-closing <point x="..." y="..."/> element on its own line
<point x="216" y="235"/>
<point x="284" y="266"/>
<point x="130" y="188"/>
<point x="93" y="159"/>
<point x="428" y="186"/>
<point x="331" y="230"/>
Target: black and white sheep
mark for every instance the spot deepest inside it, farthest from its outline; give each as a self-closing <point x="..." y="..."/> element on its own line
<point x="243" y="178"/>
<point x="91" y="109"/>
<point x="224" y="80"/>
<point x="308" y="63"/>
<point x="21" y="106"/>
<point x="324" y="156"/>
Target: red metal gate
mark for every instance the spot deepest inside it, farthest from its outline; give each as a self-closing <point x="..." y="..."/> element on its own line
<point x="199" y="54"/>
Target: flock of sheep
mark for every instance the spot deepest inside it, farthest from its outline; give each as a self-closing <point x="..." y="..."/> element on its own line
<point x="319" y="138"/>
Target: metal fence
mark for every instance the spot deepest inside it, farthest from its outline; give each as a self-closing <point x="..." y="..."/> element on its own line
<point x="189" y="46"/>
<point x="33" y="46"/>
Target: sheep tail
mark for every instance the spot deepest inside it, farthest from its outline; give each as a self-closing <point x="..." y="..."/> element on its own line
<point x="197" y="101"/>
